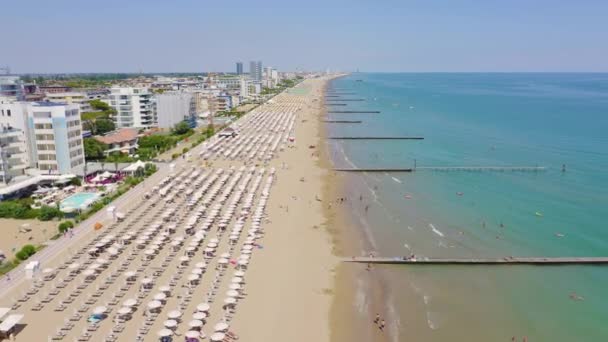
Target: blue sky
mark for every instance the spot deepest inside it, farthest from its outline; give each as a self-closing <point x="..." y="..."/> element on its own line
<point x="372" y="35"/>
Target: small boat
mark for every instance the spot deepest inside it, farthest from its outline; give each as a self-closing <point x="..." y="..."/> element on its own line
<point x="460" y="193"/>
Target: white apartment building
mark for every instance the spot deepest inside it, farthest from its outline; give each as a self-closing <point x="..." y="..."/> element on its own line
<point x="49" y="135"/>
<point x="133" y="107"/>
<point x="81" y="99"/>
<point x="175" y="107"/>
<point x="55" y="136"/>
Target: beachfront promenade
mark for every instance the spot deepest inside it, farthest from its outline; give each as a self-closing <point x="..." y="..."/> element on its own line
<point x="179" y="263"/>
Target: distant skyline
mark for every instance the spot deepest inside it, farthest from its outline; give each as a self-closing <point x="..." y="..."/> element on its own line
<point x="64" y="36"/>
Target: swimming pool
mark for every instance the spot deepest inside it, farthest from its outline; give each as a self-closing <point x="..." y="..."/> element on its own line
<point x="79" y="200"/>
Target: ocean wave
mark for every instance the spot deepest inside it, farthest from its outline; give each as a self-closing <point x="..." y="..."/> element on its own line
<point x="396" y="180"/>
<point x="435" y="230"/>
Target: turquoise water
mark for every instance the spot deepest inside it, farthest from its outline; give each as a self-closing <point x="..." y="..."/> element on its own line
<point x="78" y="200"/>
<point x="485" y="120"/>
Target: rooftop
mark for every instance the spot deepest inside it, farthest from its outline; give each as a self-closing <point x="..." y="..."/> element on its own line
<point x="122" y="135"/>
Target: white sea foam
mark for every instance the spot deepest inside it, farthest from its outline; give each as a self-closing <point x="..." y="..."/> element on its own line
<point x="435" y="230"/>
<point x="396" y="180"/>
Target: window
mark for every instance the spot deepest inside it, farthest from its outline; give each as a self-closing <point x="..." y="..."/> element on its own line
<point x="8" y="112"/>
<point x="42" y="115"/>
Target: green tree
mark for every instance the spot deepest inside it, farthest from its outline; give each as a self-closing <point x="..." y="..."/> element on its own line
<point x="181" y="128"/>
<point x="104" y="126"/>
<point x="100" y="105"/>
<point x="47" y="213"/>
<point x="94" y="149"/>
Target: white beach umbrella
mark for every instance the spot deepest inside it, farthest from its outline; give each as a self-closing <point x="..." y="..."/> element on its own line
<point x="239" y="274"/>
<point x="160" y="296"/>
<point x="130" y="302"/>
<point x="170" y="323"/>
<point x="124" y="311"/>
<point x="230" y="301"/>
<point x="199" y="316"/>
<point x="155" y="304"/>
<point x="221" y="326"/>
<point x="165" y="333"/>
<point x="100" y="310"/>
<point x="174" y="314"/>
<point x="203" y="307"/>
<point x="232" y="293"/>
<point x="234" y="286"/>
<point x="195" y="323"/>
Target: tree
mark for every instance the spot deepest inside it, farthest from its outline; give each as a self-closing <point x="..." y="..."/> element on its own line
<point x="100" y="105"/>
<point x="181" y="128"/>
<point x="94" y="149"/>
<point x="104" y="126"/>
<point x="47" y="213"/>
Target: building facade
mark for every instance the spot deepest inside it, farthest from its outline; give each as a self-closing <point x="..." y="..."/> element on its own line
<point x="239" y="68"/>
<point x="133" y="107"/>
<point x="175" y="107"/>
<point x="11" y="86"/>
<point x="255" y="70"/>
<point x="55" y="136"/>
<point x="81" y="99"/>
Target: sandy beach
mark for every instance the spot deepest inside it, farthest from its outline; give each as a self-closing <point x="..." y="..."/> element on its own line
<point x="15" y="234"/>
<point x="289" y="285"/>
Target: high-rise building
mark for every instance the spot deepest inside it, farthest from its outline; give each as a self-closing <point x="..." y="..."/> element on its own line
<point x="239" y="68"/>
<point x="133" y="107"/>
<point x="44" y="135"/>
<point x="255" y="70"/>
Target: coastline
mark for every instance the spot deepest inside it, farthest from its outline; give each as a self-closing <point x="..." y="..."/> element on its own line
<point x="358" y="293"/>
<point x="292" y="283"/>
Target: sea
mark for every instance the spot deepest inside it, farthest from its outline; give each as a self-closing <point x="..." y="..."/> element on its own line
<point x="558" y="121"/>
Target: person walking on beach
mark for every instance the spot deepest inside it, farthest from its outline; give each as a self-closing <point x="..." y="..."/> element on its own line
<point x="382" y="325"/>
<point x="377" y="320"/>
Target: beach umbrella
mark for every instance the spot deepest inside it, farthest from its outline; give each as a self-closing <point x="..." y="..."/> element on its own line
<point x="193" y="277"/>
<point x="194" y="334"/>
<point x="130" y="274"/>
<point x="100" y="310"/>
<point x="130" y="302"/>
<point x="232" y="293"/>
<point x="154" y="304"/>
<point x="195" y="323"/>
<point x="197" y="271"/>
<point x="199" y="316"/>
<point x="225" y="255"/>
<point x="230" y="301"/>
<point x="165" y="289"/>
<point x="88" y="273"/>
<point x="170" y="323"/>
<point x="73" y="266"/>
<point x="165" y="333"/>
<point x="184" y="258"/>
<point x="200" y="265"/>
<point x="239" y="274"/>
<point x="203" y="307"/>
<point x="214" y="240"/>
<point x="160" y="296"/>
<point x="222" y="261"/>
<point x="174" y="314"/>
<point x="146" y="281"/>
<point x="221" y="326"/>
<point x="234" y="286"/>
<point x="217" y="337"/>
<point x="236" y="280"/>
<point x="124" y="311"/>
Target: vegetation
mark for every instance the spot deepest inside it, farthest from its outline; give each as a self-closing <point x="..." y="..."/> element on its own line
<point x="118" y="157"/>
<point x="65" y="226"/>
<point x="94" y="149"/>
<point x="48" y="213"/>
<point x="181" y="128"/>
<point x="22" y="209"/>
<point x="103" y="126"/>
<point x="25" y="252"/>
<point x="231" y="112"/>
<point x="100" y="105"/>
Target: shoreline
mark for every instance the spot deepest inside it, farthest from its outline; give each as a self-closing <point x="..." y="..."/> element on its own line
<point x="358" y="294"/>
